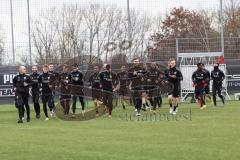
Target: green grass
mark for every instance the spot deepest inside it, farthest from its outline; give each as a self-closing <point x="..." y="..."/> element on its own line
<point x="211" y="134"/>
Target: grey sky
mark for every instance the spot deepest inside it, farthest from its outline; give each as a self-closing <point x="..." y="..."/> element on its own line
<point x="153" y="7"/>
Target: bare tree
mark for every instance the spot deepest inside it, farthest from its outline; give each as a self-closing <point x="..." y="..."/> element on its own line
<point x="1" y="48"/>
<point x="94" y="17"/>
<point x="69" y="31"/>
<point x="142" y="26"/>
<point x="232" y="18"/>
<point x="44" y="39"/>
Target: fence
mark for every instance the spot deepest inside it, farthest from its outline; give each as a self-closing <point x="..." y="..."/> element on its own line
<point x="34" y="31"/>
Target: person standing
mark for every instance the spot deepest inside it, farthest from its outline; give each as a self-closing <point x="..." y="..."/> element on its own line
<point x="21" y="84"/>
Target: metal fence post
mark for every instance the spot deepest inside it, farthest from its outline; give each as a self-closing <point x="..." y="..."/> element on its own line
<point x="29" y="34"/>
<point x="12" y="30"/>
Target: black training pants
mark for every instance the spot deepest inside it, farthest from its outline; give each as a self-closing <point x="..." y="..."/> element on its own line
<point x="22" y="100"/>
<point x="35" y="98"/>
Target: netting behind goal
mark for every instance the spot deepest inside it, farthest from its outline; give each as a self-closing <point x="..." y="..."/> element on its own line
<point x="187" y="64"/>
<point x="187" y="71"/>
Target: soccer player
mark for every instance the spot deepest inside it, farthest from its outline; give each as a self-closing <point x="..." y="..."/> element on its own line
<point x="65" y="96"/>
<point x="200" y="80"/>
<point x="35" y="90"/>
<point x="54" y="80"/>
<point x="145" y="90"/>
<point x="169" y="94"/>
<point x="174" y="76"/>
<point x="153" y="78"/>
<point x="107" y="83"/>
<point x="217" y="76"/>
<point x="123" y="85"/>
<point x="46" y="90"/>
<point x="207" y="87"/>
<point x="162" y="80"/>
<point x="136" y="75"/>
<point x="76" y="79"/>
<point x="21" y="84"/>
<point x="94" y="81"/>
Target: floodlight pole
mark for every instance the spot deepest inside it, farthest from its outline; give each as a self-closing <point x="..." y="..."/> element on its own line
<point x="12" y="31"/>
<point x="177" y="50"/>
<point x="222" y="28"/>
<point x="129" y="27"/>
<point x="29" y="34"/>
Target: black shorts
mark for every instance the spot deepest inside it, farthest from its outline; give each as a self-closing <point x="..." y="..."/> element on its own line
<point x="47" y="98"/>
<point x="77" y="90"/>
<point x="62" y="97"/>
<point x="199" y="91"/>
<point x="176" y="91"/>
<point x="216" y="88"/>
<point x="207" y="89"/>
<point x="123" y="92"/>
<point x="96" y="94"/>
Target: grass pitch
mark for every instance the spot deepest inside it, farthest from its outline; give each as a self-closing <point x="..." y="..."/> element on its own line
<point x="210" y="134"/>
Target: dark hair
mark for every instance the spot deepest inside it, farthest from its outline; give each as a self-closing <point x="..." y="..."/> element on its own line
<point x="75" y="65"/>
<point x="34" y="65"/>
<point x="199" y="64"/>
<point x="108" y="66"/>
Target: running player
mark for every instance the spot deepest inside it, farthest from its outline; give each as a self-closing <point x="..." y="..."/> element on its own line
<point x="107" y="83"/>
<point x="136" y="75"/>
<point x="46" y="90"/>
<point x="54" y="80"/>
<point x="65" y="96"/>
<point x="153" y="78"/>
<point x="169" y="94"/>
<point x="35" y="90"/>
<point x="174" y="76"/>
<point x="123" y="85"/>
<point x="21" y="84"/>
<point x="217" y="76"/>
<point x="162" y="80"/>
<point x="94" y="81"/>
<point x="207" y="87"/>
<point x="76" y="80"/>
<point x="200" y="80"/>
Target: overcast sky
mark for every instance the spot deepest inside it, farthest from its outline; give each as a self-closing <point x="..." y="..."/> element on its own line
<point x="152" y="7"/>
